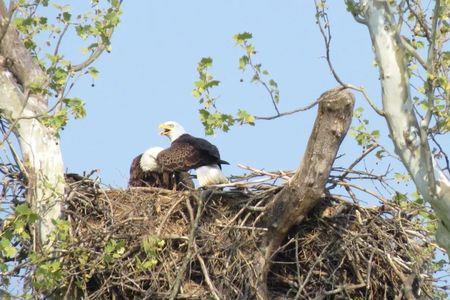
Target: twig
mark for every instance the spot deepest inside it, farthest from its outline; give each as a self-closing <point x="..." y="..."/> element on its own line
<point x="211" y="286"/>
<point x="166" y="217"/>
<point x="441" y="151"/>
<point x="6" y="14"/>
<point x="58" y="43"/>
<point x="354" y="163"/>
<point x="379" y="197"/>
<point x="319" y="259"/>
<point x="407" y="45"/>
<point x="369" y="271"/>
<point x="96" y="54"/>
<point x="320" y="13"/>
<point x="241" y="227"/>
<point x="344" y="288"/>
<point x="189" y="254"/>
<point x="304" y="108"/>
<point x="262" y="172"/>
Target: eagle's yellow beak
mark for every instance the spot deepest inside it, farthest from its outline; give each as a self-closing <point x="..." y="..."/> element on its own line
<point x="165" y="129"/>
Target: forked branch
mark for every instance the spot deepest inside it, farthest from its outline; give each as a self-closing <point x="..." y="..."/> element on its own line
<point x="293" y="203"/>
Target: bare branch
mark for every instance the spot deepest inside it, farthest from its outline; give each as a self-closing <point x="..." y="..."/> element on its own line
<point x="279" y="115"/>
<point x="92" y="58"/>
<point x="420" y="20"/>
<point x="58" y="43"/>
<point x="6" y="17"/>
<point x="321" y="15"/>
<point x="441" y="152"/>
<point x="408" y="47"/>
<point x="367" y="97"/>
<point x="354" y="163"/>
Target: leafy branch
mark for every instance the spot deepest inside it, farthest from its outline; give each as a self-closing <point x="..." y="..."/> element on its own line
<point x="211" y="117"/>
<point x="94" y="28"/>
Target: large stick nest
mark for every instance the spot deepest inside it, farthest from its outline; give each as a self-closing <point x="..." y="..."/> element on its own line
<point x="142" y="243"/>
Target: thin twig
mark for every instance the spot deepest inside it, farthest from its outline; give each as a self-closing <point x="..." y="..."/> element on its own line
<point x="321" y="13"/>
<point x="304" y="108"/>
<point x="6" y="15"/>
<point x="210" y="284"/>
<point x="190" y="251"/>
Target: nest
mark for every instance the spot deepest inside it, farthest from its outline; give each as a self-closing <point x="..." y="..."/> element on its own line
<point x="149" y="243"/>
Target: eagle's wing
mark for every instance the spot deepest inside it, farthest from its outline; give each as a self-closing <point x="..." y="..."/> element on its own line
<point x="140" y="178"/>
<point x="206" y="147"/>
<point x="182" y="156"/>
<point x="136" y="173"/>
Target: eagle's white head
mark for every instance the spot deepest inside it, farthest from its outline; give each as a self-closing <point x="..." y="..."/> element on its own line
<point x="148" y="159"/>
<point x="172" y="130"/>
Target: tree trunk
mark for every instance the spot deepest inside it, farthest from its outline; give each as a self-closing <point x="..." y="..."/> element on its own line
<point x="410" y="140"/>
<point x="41" y="153"/>
<point x="293" y="203"/>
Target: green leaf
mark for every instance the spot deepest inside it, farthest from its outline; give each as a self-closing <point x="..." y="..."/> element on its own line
<point x="93" y="72"/>
<point x="273" y="84"/>
<point x="206" y="62"/>
<point x="23" y="210"/>
<point x="196" y="93"/>
<point x="241" y="38"/>
<point x="243" y="62"/>
<point x="149" y="264"/>
<point x="66" y="16"/>
<point x="7" y="248"/>
<point x="245" y="118"/>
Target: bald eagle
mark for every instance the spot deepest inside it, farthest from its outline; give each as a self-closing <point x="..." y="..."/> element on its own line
<point x="187" y="152"/>
<point x="145" y="172"/>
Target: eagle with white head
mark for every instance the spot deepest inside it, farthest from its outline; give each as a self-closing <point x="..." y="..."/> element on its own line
<point x="187" y="152"/>
<point x="146" y="172"/>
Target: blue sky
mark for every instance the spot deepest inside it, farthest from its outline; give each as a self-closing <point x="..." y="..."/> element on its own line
<point x="148" y="79"/>
<point x="149" y="75"/>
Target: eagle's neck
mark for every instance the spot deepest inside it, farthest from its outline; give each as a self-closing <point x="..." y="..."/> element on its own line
<point x="176" y="133"/>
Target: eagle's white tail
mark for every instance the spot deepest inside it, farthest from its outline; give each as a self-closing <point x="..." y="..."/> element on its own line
<point x="209" y="175"/>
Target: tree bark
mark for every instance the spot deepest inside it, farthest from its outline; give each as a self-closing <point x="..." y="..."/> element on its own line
<point x="293" y="203"/>
<point x="410" y="138"/>
<point x="39" y="145"/>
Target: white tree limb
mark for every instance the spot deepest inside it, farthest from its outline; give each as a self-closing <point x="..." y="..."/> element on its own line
<point x="40" y="149"/>
<point x="404" y="128"/>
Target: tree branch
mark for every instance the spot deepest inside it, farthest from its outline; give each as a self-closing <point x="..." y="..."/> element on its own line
<point x="279" y="115"/>
<point x="321" y="13"/>
<point x="305" y="189"/>
<point x="410" y="143"/>
<point x="408" y="47"/>
<point x="6" y="15"/>
<point x="23" y="65"/>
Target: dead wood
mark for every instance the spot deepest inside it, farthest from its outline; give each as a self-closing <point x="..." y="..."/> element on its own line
<point x="306" y="187"/>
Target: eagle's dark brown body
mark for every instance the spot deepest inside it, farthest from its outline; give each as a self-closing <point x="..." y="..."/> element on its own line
<point x="188" y="152"/>
<point x="166" y="180"/>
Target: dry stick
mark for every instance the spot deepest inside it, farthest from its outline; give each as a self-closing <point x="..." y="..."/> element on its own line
<point x="406" y="282"/>
<point x="292" y="204"/>
<point x="321" y="13"/>
<point x="166" y="217"/>
<point x="262" y="172"/>
<point x="210" y="284"/>
<point x="267" y="118"/>
<point x="319" y="259"/>
<point x="190" y="251"/>
<point x="369" y="270"/>
<point x="361" y="157"/>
